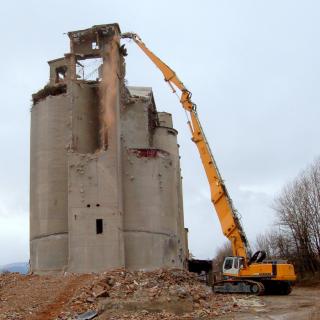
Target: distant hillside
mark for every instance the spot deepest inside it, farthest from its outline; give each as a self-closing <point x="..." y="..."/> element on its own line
<point x="21" y="267"/>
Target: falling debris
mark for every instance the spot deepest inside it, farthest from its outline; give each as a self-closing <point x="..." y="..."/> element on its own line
<point x="109" y="88"/>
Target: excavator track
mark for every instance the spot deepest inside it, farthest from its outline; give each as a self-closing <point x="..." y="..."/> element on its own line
<point x="239" y="286"/>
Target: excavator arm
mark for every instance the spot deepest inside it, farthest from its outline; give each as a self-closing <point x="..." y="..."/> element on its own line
<point x="220" y="198"/>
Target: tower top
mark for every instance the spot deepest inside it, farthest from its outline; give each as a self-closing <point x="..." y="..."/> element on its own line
<point x="90" y="43"/>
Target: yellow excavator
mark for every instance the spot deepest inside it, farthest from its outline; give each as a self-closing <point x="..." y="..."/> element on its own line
<point x="242" y="272"/>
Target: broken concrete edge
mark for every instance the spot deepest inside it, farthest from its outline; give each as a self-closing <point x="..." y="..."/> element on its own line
<point x="63" y="64"/>
<point x="60" y="88"/>
<point x="96" y="29"/>
<point x="57" y="89"/>
<point x="48" y="90"/>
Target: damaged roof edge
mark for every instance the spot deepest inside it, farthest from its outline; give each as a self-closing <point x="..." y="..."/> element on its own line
<point x="48" y="90"/>
<point x="145" y="92"/>
<point x="56" y="60"/>
<point x="95" y="27"/>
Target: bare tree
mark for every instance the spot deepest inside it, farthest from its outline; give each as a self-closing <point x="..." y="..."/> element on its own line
<point x="222" y="252"/>
<point x="276" y="243"/>
<point x="298" y="220"/>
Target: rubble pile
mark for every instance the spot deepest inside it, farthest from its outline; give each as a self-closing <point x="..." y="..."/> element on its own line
<point x="160" y="294"/>
<point x="166" y="294"/>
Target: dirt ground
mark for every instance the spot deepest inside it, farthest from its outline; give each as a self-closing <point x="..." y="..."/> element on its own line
<point x="36" y="297"/>
<point x="301" y="304"/>
<point x="158" y="295"/>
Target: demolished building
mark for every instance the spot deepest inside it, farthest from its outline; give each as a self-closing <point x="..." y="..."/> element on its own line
<point x="105" y="183"/>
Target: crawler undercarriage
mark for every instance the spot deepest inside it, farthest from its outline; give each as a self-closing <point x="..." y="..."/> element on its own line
<point x="257" y="287"/>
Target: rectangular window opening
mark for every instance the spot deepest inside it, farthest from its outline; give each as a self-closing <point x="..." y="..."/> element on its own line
<point x="99" y="226"/>
<point x="88" y="69"/>
<point x="94" y="46"/>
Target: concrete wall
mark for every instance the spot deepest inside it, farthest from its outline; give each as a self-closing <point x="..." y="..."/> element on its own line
<point x="94" y="194"/>
<point x="151" y="181"/>
<point x="150" y="213"/>
<point x="50" y="121"/>
<point x="84" y="117"/>
<point x="165" y="138"/>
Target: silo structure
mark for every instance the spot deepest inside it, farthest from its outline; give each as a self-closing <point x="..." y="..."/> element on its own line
<point x="105" y="184"/>
<point x="150" y="170"/>
<point x="150" y="211"/>
<point x="50" y="120"/>
<point x="165" y="138"/>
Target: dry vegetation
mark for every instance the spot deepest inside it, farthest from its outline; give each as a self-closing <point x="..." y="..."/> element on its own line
<point x="296" y="235"/>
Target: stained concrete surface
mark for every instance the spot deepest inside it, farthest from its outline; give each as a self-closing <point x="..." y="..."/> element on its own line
<point x="101" y="151"/>
<point x="301" y="304"/>
<point x="48" y="184"/>
<point x="94" y="194"/>
<point x="153" y="218"/>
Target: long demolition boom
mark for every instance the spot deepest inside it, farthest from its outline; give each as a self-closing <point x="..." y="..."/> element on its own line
<point x="220" y="198"/>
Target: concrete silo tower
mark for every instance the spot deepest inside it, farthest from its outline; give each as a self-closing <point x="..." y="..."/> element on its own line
<point x="105" y="174"/>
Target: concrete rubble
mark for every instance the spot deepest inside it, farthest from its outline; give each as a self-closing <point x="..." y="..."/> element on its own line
<point x="116" y="294"/>
<point x="162" y="294"/>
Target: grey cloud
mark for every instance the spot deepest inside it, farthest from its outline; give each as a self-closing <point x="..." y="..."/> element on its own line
<point x="253" y="68"/>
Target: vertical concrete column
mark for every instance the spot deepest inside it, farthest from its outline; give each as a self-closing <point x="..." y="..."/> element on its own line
<point x="95" y="187"/>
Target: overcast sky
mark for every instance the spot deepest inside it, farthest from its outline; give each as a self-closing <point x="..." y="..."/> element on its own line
<point x="252" y="66"/>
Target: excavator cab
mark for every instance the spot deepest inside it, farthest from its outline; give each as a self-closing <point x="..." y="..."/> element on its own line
<point x="232" y="265"/>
